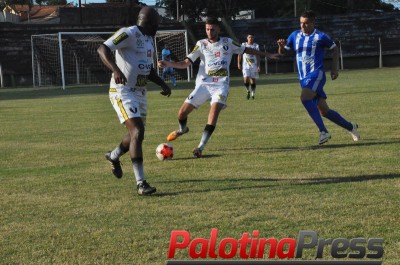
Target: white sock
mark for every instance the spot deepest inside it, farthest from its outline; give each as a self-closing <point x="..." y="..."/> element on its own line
<point x="138" y="171"/>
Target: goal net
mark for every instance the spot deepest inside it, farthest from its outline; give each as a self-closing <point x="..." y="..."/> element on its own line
<point x="178" y="45"/>
<point x="70" y="58"/>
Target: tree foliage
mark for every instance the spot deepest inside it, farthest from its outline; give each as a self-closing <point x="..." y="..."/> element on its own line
<point x="194" y="9"/>
<point x="228" y="9"/>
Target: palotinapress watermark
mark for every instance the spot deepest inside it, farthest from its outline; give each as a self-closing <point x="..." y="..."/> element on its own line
<point x="250" y="249"/>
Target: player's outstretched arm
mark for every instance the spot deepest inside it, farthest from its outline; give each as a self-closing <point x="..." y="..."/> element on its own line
<point x="153" y="76"/>
<point x="179" y="65"/>
<point x="274" y="56"/>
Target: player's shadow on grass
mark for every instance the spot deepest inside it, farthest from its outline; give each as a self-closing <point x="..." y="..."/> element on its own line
<point x="192" y="157"/>
<point x="307" y="148"/>
<point x="278" y="183"/>
<point x="362" y="92"/>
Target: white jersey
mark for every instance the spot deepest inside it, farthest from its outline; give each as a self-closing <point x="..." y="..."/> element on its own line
<point x="216" y="58"/>
<point x="249" y="61"/>
<point x="134" y="55"/>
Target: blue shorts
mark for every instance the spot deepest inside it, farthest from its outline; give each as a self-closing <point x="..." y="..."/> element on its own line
<point x="315" y="81"/>
<point x="168" y="70"/>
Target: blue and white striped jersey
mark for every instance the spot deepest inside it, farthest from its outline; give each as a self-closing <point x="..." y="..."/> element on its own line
<point x="309" y="50"/>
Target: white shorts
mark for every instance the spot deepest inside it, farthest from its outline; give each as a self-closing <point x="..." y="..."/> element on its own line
<point x="204" y="92"/>
<point x="252" y="73"/>
<point x="129" y="102"/>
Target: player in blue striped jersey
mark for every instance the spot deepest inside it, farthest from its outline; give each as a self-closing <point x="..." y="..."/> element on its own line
<point x="309" y="44"/>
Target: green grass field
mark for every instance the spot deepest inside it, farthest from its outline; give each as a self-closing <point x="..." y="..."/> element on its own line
<point x="262" y="170"/>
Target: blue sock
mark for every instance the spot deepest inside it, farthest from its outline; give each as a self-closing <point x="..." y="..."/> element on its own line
<point x="313" y="111"/>
<point x="173" y="80"/>
<point x="335" y="117"/>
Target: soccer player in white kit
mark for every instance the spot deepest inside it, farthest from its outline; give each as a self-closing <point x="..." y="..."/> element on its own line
<point x="250" y="66"/>
<point x="212" y="82"/>
<point x="132" y="67"/>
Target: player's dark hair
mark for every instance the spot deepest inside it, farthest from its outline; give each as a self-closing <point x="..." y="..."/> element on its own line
<point x="212" y="21"/>
<point x="308" y="14"/>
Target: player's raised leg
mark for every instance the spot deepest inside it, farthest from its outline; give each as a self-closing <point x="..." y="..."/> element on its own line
<point x="246" y="83"/>
<point x="253" y="88"/>
<point x="114" y="155"/>
<point x="209" y="128"/>
<point x="183" y="114"/>
<point x="336" y="118"/>
<point x="310" y="105"/>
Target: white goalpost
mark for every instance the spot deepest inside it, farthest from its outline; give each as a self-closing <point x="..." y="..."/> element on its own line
<point x="70" y="58"/>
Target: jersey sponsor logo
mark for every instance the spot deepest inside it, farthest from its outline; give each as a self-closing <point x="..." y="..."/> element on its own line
<point x="225" y="48"/>
<point x="141" y="80"/>
<point x="314" y="43"/>
<point x="139" y="43"/>
<point x="133" y="110"/>
<point x="217" y="54"/>
<point x="215" y="79"/>
<point x="219" y="72"/>
<point x="216" y="62"/>
<point x="195" y="49"/>
<point x="307" y="59"/>
<point x="144" y="64"/>
<point x="250" y="61"/>
<point x="120" y="38"/>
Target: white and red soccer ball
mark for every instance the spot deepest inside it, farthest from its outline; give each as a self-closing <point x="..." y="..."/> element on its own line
<point x="164" y="151"/>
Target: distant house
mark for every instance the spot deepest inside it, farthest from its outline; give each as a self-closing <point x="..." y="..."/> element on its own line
<point x="34" y="14"/>
<point x="115" y="13"/>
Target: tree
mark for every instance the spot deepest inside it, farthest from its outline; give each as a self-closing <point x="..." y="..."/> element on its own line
<point x="195" y="9"/>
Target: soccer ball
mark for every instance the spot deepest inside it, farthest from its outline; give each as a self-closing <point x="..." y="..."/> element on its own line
<point x="164" y="151"/>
